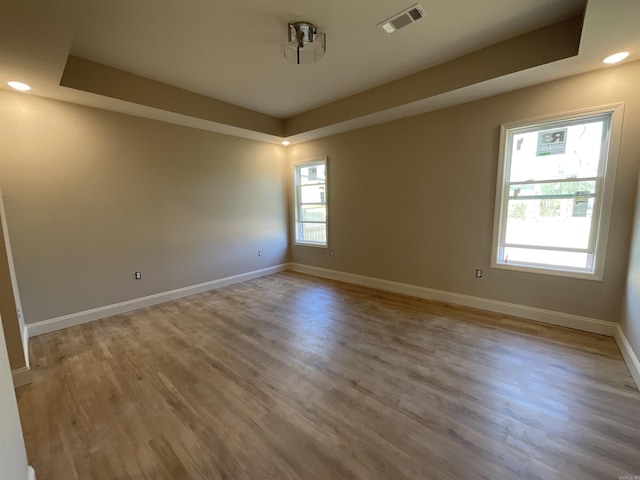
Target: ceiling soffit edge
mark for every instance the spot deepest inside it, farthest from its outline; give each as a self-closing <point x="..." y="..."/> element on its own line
<point x="543" y="46"/>
<point x="555" y="42"/>
<point x="96" y="78"/>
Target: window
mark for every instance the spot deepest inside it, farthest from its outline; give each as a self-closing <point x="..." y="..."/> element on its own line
<point x="554" y="193"/>
<point x="310" y="185"/>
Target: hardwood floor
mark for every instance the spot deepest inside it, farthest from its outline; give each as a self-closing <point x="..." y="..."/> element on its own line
<point x="293" y="377"/>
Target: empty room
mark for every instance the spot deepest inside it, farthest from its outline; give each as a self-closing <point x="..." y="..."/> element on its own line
<point x="320" y="240"/>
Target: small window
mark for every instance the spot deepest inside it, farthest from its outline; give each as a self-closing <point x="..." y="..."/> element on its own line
<point x="554" y="193"/>
<point x="310" y="186"/>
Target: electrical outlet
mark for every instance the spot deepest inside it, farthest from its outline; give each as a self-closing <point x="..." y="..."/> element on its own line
<point x="331" y="253"/>
<point x="138" y="275"/>
<point x="259" y="253"/>
<point x="478" y="273"/>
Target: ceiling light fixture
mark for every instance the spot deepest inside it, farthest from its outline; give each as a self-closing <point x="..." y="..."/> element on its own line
<point x="286" y="142"/>
<point x="305" y="44"/>
<point x="616" y="57"/>
<point x="23" y="87"/>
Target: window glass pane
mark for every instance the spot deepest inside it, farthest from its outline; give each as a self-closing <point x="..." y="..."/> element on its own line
<point x="541" y="223"/>
<point x="557" y="152"/>
<point x="312" y="194"/>
<point x="313" y="232"/>
<point x="552" y="189"/>
<point x="546" y="257"/>
<point x="312" y="174"/>
<point x="550" y="214"/>
<point x="313" y="213"/>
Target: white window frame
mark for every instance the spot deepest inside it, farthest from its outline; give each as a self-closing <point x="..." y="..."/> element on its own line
<point x="297" y="206"/>
<point x="605" y="182"/>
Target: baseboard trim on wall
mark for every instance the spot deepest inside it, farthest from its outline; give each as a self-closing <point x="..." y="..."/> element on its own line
<point x="628" y="354"/>
<point x="31" y="473"/>
<point x="577" y="322"/>
<point x="21" y="376"/>
<point x="71" y="320"/>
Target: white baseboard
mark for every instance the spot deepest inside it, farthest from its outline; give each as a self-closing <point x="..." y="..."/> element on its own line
<point x="577" y="322"/>
<point x="31" y="474"/>
<point x="71" y="320"/>
<point x="628" y="354"/>
<point x="21" y="376"/>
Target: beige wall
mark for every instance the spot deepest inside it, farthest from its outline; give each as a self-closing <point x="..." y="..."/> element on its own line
<point x="631" y="306"/>
<point x="92" y="196"/>
<point x="413" y="200"/>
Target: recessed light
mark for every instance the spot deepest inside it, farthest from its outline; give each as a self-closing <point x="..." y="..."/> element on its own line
<point x="23" y="87"/>
<point x="285" y="143"/>
<point x="616" y="57"/>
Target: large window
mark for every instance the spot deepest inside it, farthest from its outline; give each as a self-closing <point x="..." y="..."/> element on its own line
<point x="554" y="193"/>
<point x="310" y="185"/>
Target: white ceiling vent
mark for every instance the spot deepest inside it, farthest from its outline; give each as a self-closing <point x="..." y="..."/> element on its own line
<point x="402" y="19"/>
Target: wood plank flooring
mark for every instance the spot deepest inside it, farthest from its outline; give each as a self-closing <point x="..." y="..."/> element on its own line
<point x="294" y="377"/>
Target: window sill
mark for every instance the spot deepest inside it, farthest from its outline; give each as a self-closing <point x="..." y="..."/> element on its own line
<point x="314" y="245"/>
<point x="556" y="272"/>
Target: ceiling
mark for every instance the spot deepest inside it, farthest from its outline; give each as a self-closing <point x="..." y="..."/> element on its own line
<point x="232" y="51"/>
<point x="219" y="66"/>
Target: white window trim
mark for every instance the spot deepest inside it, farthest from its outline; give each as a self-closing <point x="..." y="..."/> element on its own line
<point x="605" y="206"/>
<point x="294" y="165"/>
